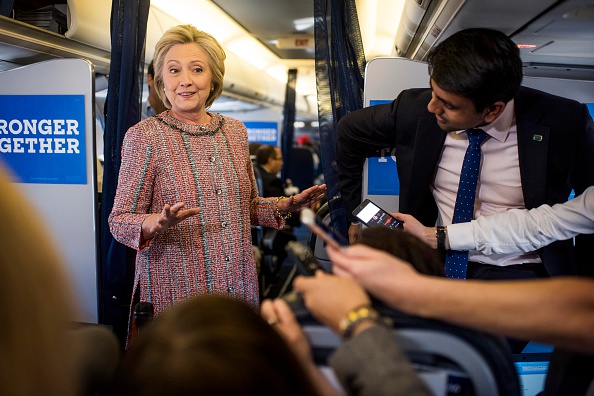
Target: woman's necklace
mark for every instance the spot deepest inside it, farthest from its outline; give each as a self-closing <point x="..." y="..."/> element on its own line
<point x="201" y="131"/>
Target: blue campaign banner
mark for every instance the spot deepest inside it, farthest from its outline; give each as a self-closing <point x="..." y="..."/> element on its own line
<point x="262" y="132"/>
<point x="42" y="138"/>
<point x="382" y="177"/>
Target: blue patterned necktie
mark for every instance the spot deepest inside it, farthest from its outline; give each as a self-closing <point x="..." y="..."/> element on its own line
<point x="457" y="261"/>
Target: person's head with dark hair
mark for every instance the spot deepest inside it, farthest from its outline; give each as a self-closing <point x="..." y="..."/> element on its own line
<point x="211" y="345"/>
<point x="265" y="153"/>
<point x="482" y="65"/>
<point x="254" y="147"/>
<point x="404" y="246"/>
<point x="151" y="70"/>
<point x="154" y="100"/>
<point x="270" y="159"/>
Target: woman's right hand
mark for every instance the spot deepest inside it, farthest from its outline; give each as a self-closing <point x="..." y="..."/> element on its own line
<point x="158" y="223"/>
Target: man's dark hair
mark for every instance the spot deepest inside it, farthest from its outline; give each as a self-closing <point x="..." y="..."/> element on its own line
<point x="482" y="65"/>
<point x="264" y="153"/>
<point x="254" y="147"/>
<point x="404" y="246"/>
<point x="151" y="69"/>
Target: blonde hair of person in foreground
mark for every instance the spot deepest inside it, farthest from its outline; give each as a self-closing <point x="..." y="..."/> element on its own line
<point x="35" y="304"/>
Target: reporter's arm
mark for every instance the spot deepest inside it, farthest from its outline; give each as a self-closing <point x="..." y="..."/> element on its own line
<point x="369" y="361"/>
<point x="371" y="364"/>
<point x="557" y="311"/>
<point x="517" y="230"/>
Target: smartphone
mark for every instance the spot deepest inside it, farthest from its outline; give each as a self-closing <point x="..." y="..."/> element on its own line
<point x="324" y="231"/>
<point x="372" y="215"/>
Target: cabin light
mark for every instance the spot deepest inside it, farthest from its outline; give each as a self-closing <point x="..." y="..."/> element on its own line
<point x="526" y="46"/>
<point x="299" y="124"/>
<point x="302" y="24"/>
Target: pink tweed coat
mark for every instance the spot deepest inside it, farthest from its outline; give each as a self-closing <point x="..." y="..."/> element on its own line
<point x="165" y="161"/>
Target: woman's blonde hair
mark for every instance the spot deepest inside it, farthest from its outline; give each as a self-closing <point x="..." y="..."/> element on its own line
<point x="35" y="304"/>
<point x="185" y="34"/>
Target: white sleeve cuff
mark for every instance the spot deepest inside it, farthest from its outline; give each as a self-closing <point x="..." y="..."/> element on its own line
<point x="461" y="237"/>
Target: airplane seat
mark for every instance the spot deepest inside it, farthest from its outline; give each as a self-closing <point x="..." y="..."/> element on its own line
<point x="299" y="167"/>
<point x="317" y="246"/>
<point x="273" y="256"/>
<point x="449" y="358"/>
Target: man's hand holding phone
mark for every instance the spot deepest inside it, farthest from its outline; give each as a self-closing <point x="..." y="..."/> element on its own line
<point x="372" y="215"/>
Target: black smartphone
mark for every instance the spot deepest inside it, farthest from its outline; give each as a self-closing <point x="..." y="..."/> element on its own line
<point x="324" y="231"/>
<point x="372" y="215"/>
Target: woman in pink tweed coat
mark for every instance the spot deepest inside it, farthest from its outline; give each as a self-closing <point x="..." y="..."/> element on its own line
<point x="186" y="193"/>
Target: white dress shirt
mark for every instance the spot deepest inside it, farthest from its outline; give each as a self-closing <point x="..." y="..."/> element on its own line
<point x="499" y="185"/>
<point x="525" y="230"/>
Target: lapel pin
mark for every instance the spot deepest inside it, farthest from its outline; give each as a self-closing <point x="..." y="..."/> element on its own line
<point x="538" y="138"/>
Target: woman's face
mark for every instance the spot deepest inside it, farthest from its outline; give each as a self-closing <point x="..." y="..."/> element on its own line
<point x="187" y="78"/>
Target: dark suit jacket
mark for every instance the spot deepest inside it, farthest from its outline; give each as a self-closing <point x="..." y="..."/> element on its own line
<point x="272" y="184"/>
<point x="555" y="144"/>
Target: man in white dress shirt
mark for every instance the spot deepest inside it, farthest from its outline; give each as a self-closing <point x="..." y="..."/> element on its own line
<point x="517" y="230"/>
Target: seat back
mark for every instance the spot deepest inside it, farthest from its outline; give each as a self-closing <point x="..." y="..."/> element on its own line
<point x="316" y="244"/>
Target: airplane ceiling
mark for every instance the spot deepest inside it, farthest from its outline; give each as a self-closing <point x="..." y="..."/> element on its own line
<point x="558" y="32"/>
<point x="269" y="20"/>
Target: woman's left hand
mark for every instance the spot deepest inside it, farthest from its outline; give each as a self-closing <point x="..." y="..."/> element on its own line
<point x="304" y="199"/>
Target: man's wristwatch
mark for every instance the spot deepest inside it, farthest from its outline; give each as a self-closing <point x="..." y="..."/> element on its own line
<point x="441" y="233"/>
